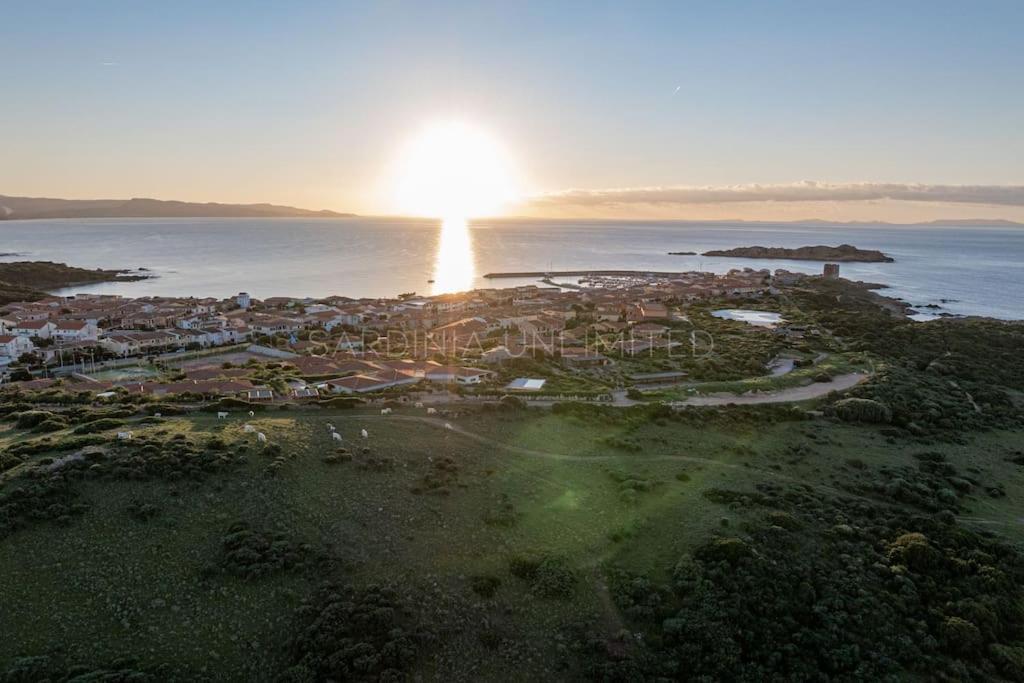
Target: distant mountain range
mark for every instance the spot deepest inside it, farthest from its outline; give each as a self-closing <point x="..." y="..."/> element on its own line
<point x="941" y="221"/>
<point x="20" y="208"/>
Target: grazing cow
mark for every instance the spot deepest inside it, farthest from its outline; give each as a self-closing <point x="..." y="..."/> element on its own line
<point x="336" y="436"/>
<point x="419" y="404"/>
<point x="261" y="437"/>
<point x="365" y="434"/>
<point x="124" y="436"/>
<point x="252" y="414"/>
<point x="221" y="415"/>
<point x="448" y="425"/>
<point x="385" y="411"/>
<point x="431" y="411"/>
<point x="157" y="415"/>
<point x="248" y="429"/>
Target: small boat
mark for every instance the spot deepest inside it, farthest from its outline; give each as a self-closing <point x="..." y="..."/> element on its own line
<point x="430" y="282"/>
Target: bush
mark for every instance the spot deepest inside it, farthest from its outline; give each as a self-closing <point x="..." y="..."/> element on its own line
<point x="345" y="634"/>
<point x="32" y="418"/>
<point x="341" y="402"/>
<point x="101" y="425"/>
<point x="251" y="554"/>
<point x="554" y="578"/>
<point x="484" y="585"/>
<point x="549" y="576"/>
<point x="54" y="424"/>
<point x="862" y="410"/>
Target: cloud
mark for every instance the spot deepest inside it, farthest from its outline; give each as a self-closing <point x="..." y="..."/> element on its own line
<point x="807" y="191"/>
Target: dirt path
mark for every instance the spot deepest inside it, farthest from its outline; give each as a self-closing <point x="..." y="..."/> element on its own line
<point x="547" y="455"/>
<point x="816" y="390"/>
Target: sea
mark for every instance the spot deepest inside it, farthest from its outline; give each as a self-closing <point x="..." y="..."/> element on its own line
<point x="952" y="270"/>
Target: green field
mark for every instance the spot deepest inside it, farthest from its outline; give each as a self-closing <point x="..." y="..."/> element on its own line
<point x="426" y="510"/>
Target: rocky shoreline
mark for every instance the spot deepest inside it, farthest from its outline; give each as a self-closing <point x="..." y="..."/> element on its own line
<point x="31" y="280"/>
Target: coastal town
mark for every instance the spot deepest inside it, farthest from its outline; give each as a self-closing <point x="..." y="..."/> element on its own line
<point x="609" y="332"/>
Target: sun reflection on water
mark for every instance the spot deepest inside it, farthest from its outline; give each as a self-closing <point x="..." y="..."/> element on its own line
<point x="454" y="267"/>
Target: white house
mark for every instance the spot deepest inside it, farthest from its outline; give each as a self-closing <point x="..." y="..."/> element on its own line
<point x="453" y="374"/>
<point x="121" y="344"/>
<point x="243" y="300"/>
<point x="12" y="346"/>
<point x="75" y="330"/>
<point x="33" y="328"/>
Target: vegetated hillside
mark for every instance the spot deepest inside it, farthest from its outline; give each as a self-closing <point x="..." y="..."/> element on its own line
<point x="844" y="252"/>
<point x="584" y="542"/>
<point x="13" y="208"/>
<point x="13" y="292"/>
<point x="28" y="280"/>
<point x="935" y="379"/>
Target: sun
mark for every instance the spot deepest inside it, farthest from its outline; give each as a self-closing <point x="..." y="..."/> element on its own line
<point x="453" y="170"/>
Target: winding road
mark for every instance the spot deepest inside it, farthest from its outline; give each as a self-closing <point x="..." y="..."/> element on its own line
<point x="794" y="394"/>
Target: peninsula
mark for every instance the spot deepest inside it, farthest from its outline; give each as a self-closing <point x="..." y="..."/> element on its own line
<point x="30" y="280"/>
<point x="842" y="253"/>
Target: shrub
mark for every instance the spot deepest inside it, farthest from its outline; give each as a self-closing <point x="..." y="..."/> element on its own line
<point x="484" y="585"/>
<point x="341" y="402"/>
<point x="862" y="410"/>
<point x="554" y="578"/>
<point x="251" y="554"/>
<point x="101" y="425"/>
<point x="32" y="418"/>
<point x="54" y="424"/>
<point x="549" y="576"/>
<point x="345" y="634"/>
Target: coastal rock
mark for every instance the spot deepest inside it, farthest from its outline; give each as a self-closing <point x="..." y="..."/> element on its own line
<point x="842" y="253"/>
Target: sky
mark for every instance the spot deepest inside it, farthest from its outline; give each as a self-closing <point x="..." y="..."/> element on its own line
<point x="847" y="111"/>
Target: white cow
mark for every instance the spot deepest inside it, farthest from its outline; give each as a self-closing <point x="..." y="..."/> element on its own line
<point x="365" y="434"/>
<point x="419" y="404"/>
<point x="385" y="411"/>
<point x="157" y="415"/>
<point x="261" y="437"/>
<point x="221" y="415"/>
<point x="448" y="425"/>
<point x="124" y="436"/>
<point x="248" y="429"/>
<point x="431" y="411"/>
<point x="330" y="427"/>
<point x="336" y="436"/>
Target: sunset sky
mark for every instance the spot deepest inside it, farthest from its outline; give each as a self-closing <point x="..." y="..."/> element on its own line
<point x="896" y="111"/>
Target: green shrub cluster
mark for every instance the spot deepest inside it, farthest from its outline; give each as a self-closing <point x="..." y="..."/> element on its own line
<point x="862" y="410"/>
<point x="549" y="576"/>
<point x="837" y="589"/>
<point x="251" y="554"/>
<point x="349" y="634"/>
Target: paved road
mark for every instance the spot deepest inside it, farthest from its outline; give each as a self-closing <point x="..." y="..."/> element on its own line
<point x="816" y="390"/>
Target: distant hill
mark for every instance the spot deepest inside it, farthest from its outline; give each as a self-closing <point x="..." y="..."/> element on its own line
<point x="21" y="208"/>
<point x="967" y="222"/>
<point x="973" y="221"/>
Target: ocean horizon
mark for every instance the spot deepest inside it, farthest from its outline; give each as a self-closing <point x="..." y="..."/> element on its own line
<point x="961" y="270"/>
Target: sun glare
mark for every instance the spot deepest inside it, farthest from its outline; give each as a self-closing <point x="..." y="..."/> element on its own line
<point x="454" y="170"/>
